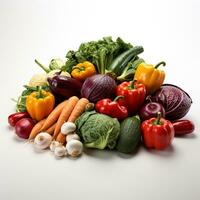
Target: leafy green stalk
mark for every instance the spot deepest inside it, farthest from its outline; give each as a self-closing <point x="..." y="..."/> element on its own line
<point x="42" y="66"/>
<point x="101" y="53"/>
<point x="55" y="63"/>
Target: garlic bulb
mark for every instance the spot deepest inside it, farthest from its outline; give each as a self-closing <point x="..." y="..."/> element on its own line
<point x="74" y="148"/>
<point x="72" y="136"/>
<point x="54" y="144"/>
<point x="68" y="127"/>
<point x="42" y="140"/>
<point x="60" y="151"/>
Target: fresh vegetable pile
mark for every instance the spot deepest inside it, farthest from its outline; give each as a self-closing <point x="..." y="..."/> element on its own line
<point x="103" y="96"/>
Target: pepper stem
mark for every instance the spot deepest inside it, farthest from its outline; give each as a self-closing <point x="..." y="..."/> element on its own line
<point x="40" y="95"/>
<point x="160" y="63"/>
<point x="118" y="97"/>
<point x="82" y="68"/>
<point x="157" y="121"/>
<point x="42" y="66"/>
<point x="132" y="85"/>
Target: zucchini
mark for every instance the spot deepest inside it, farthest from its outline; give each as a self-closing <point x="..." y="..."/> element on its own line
<point x="119" y="63"/>
<point x="129" y="137"/>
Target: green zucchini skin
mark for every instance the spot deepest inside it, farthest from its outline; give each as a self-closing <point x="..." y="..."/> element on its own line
<point x="119" y="63"/>
<point x="130" y="136"/>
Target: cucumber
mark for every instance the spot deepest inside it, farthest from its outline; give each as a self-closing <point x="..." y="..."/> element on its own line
<point x="129" y="137"/>
<point x="119" y="63"/>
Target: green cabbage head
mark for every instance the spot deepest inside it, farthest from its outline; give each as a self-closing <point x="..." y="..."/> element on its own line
<point x="98" y="130"/>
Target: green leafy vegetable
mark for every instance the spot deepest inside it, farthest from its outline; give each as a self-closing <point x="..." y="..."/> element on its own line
<point x="101" y="53"/>
<point x="98" y="130"/>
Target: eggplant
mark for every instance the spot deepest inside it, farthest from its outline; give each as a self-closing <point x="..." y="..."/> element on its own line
<point x="64" y="87"/>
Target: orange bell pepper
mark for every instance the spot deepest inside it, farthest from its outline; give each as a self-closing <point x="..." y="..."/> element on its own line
<point x="150" y="76"/>
<point x="83" y="70"/>
<point x="39" y="104"/>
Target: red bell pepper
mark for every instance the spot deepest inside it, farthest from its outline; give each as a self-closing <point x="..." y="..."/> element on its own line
<point x="134" y="95"/>
<point x="182" y="127"/>
<point x="157" y="133"/>
<point x="112" y="108"/>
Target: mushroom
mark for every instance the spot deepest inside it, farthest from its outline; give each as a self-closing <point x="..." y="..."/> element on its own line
<point x="68" y="127"/>
<point x="54" y="144"/>
<point x="42" y="140"/>
<point x="74" y="148"/>
<point x="60" y="151"/>
<point x="72" y="136"/>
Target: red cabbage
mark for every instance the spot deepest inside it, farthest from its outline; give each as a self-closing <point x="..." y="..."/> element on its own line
<point x="98" y="87"/>
<point x="174" y="99"/>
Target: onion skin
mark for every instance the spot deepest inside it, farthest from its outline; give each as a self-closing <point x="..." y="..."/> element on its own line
<point x="15" y="117"/>
<point x="98" y="87"/>
<point x="151" y="110"/>
<point x="64" y="87"/>
<point x="174" y="99"/>
<point x="23" y="127"/>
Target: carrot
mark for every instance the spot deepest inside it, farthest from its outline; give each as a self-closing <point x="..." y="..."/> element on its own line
<point x="53" y="116"/>
<point x="61" y="138"/>
<point x="51" y="129"/>
<point x="36" y="129"/>
<point x="78" y="109"/>
<point x="66" y="112"/>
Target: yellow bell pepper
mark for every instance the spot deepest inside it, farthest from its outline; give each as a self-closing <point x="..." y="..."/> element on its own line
<point x="150" y="76"/>
<point x="39" y="104"/>
<point x="83" y="70"/>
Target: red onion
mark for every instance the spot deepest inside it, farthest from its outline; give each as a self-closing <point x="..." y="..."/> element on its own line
<point x="98" y="87"/>
<point x="150" y="110"/>
<point x="15" y="117"/>
<point x="23" y="127"/>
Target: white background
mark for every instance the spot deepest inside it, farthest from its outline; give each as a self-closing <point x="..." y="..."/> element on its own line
<point x="43" y="29"/>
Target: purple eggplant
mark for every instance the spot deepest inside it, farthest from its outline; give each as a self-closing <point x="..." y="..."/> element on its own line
<point x="64" y="87"/>
<point x="150" y="110"/>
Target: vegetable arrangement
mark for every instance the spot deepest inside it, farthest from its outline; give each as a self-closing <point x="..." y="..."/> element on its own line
<point x="103" y="96"/>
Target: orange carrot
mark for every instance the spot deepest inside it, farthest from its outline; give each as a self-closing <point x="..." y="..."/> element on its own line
<point x="53" y="116"/>
<point x="78" y="109"/>
<point x="61" y="138"/>
<point x="66" y="112"/>
<point x="36" y="129"/>
<point x="51" y="129"/>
